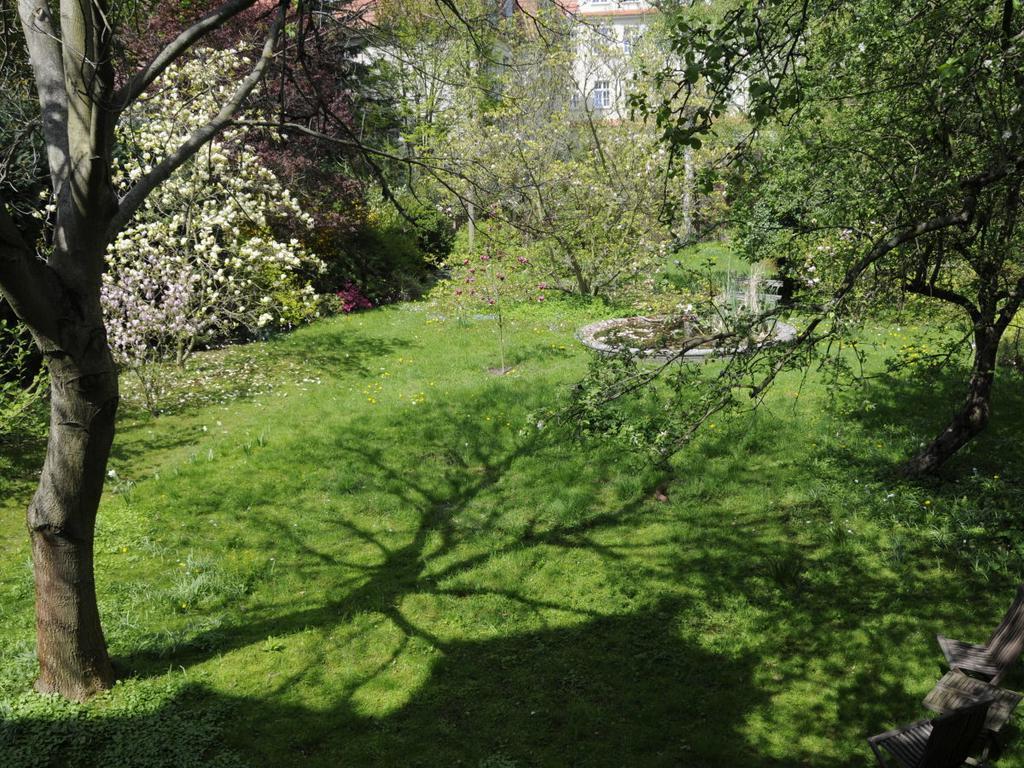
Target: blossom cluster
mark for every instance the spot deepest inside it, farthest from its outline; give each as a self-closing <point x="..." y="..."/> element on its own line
<point x="352" y="299"/>
<point x="496" y="274"/>
<point x="200" y="261"/>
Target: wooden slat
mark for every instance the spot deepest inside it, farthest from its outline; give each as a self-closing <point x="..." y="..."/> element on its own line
<point x="994" y="659"/>
<point x="956" y="690"/>
<point x="945" y="742"/>
<point x="908" y="745"/>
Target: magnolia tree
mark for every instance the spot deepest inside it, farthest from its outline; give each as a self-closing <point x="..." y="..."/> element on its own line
<point x="200" y="261"/>
<point x="487" y="280"/>
<point x="51" y="276"/>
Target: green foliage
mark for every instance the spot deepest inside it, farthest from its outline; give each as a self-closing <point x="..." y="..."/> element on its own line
<point x="858" y="183"/>
<point x="139" y="724"/>
<point x="432" y="228"/>
<point x="584" y="201"/>
<point x="388" y="256"/>
<point x="21" y="382"/>
<point x="580" y="191"/>
<point x="841" y="165"/>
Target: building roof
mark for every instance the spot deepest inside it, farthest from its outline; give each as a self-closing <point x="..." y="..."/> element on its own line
<point x="606" y="7"/>
<point x="580" y="8"/>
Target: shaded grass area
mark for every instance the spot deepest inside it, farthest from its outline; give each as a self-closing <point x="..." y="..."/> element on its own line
<point x="716" y="261"/>
<point x="378" y="558"/>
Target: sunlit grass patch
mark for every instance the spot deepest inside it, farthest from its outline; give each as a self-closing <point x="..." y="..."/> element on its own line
<point x="441" y="582"/>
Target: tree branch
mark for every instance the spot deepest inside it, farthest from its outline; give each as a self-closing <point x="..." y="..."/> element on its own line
<point x="314" y="134"/>
<point x="137" y="195"/>
<point x="904" y="236"/>
<point x="931" y="290"/>
<point x="48" y="71"/>
<point x="142" y="79"/>
<point x="26" y="283"/>
<point x="369" y="152"/>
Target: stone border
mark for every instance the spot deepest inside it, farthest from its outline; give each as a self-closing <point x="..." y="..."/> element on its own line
<point x="587" y="334"/>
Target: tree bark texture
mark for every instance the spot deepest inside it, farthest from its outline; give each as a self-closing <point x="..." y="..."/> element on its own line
<point x="71" y="647"/>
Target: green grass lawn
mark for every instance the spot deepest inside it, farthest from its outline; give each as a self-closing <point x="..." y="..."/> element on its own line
<point x="715" y="259"/>
<point x="355" y="547"/>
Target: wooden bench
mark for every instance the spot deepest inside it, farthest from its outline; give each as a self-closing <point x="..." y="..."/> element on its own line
<point x="995" y="658"/>
<point x="943" y="742"/>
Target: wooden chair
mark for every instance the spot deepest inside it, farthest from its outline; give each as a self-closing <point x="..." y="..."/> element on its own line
<point x="944" y="742"/>
<point x="993" y="660"/>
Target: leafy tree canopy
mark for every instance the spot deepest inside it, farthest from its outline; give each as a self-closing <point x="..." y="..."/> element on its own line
<point x="884" y="159"/>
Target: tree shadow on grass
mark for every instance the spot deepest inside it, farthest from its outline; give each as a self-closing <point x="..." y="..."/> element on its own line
<point x="491" y="602"/>
<point x="227" y="375"/>
<point x="840" y="647"/>
<point x="971" y="512"/>
<point x="241" y="373"/>
<point x="643" y="687"/>
<point x="613" y="691"/>
<point x="914" y="407"/>
<point x="463" y="462"/>
<point x="518" y="356"/>
<point x="336" y="349"/>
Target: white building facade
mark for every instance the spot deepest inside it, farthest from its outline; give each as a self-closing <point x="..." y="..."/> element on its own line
<point x="608" y="33"/>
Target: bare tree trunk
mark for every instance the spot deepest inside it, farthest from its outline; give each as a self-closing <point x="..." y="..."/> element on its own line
<point x="582" y="284"/>
<point x="71" y="647"/>
<point x="973" y="416"/>
<point x="688" y="185"/>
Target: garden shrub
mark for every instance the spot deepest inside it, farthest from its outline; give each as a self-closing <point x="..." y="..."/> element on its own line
<point x="201" y="262"/>
<point x="387" y="257"/>
<point x="22" y="377"/>
<point x="351" y="299"/>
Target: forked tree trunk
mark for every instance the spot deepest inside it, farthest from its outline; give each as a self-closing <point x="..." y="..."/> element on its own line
<point x="72" y="64"/>
<point x="582" y="284"/>
<point x="71" y="647"/>
<point x="973" y="416"/>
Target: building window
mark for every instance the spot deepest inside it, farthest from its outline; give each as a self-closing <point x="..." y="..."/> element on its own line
<point x="630" y="38"/>
<point x="602" y="94"/>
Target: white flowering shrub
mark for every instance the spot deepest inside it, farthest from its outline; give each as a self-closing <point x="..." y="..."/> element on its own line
<point x="200" y="262"/>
